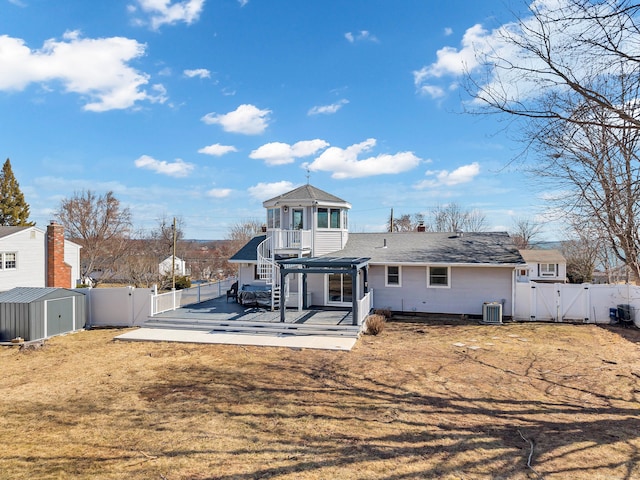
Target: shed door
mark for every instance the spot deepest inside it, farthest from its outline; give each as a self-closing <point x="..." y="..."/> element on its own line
<point x="59" y="316"/>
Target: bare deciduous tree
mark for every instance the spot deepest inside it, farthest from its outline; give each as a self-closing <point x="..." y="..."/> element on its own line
<point x="239" y="234"/>
<point x="452" y="218"/>
<point x="162" y="235"/>
<point x="244" y="230"/>
<point x="405" y="222"/>
<point x="101" y="226"/>
<point x="574" y="81"/>
<point x="524" y="232"/>
<point x="583" y="249"/>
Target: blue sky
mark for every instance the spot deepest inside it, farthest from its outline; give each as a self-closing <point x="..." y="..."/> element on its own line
<point x="204" y="108"/>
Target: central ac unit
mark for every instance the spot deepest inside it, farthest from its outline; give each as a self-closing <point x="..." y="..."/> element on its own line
<point x="492" y="313"/>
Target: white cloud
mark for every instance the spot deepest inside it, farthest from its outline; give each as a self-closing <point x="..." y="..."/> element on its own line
<point x="243" y="2"/>
<point x="448" y="31"/>
<point x="344" y="163"/>
<point x="95" y="68"/>
<point x="167" y="12"/>
<point x="198" y="72"/>
<point x="463" y="174"/>
<point x="219" y="192"/>
<point x="453" y="61"/>
<point x="327" y="109"/>
<point x="246" y="119"/>
<point x="265" y="191"/>
<point x="361" y="36"/>
<point x="492" y="56"/>
<point x="278" y="153"/>
<point x="179" y="168"/>
<point x="432" y="90"/>
<point x="217" y="150"/>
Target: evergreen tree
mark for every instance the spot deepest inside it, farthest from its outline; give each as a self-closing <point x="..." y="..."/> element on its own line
<point x="14" y="211"/>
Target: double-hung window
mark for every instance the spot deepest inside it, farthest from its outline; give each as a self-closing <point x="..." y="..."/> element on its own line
<point x="393" y="276"/>
<point x="547" y="269"/>
<point x="8" y="261"/>
<point x="438" y="277"/>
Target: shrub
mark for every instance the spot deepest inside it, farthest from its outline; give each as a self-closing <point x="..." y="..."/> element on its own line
<point x="386" y="312"/>
<point x="375" y="324"/>
<point x="183" y="282"/>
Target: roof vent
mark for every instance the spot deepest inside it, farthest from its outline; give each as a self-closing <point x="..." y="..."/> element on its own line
<point x="460" y="233"/>
<point x="385" y="243"/>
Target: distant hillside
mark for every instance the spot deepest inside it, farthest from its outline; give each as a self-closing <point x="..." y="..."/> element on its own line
<point x="548" y="245"/>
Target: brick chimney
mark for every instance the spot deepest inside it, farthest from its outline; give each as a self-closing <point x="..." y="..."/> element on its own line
<point x="421" y="227"/>
<point x="58" y="272"/>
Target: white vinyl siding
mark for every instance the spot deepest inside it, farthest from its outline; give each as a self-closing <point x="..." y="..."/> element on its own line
<point x="30" y="260"/>
<point x="328" y="241"/>
<point x="469" y="288"/>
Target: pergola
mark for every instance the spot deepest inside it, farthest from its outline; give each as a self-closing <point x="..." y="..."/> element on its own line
<point x="326" y="265"/>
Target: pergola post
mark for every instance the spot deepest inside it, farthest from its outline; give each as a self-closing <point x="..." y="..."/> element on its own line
<point x="304" y="292"/>
<point x="354" y="295"/>
<point x="325" y="266"/>
<point x="283" y="277"/>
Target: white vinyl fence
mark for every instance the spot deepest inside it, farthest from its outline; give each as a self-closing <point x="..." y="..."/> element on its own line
<point x="117" y="307"/>
<point x="163" y="302"/>
<point x="585" y="303"/>
<point x="130" y="306"/>
<point x="364" y="306"/>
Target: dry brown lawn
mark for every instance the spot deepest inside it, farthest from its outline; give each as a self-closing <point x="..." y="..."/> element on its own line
<point x="421" y="400"/>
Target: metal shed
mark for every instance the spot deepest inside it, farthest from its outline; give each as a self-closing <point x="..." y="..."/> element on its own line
<point x="37" y="313"/>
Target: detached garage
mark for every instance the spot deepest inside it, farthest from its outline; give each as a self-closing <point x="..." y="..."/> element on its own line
<point x="36" y="313"/>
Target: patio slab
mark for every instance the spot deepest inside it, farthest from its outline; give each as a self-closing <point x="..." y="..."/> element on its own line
<point x="194" y="336"/>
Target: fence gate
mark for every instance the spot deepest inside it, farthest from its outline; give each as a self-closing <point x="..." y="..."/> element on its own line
<point x="560" y="302"/>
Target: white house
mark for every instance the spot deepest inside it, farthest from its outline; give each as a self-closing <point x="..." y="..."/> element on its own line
<point x="543" y="266"/>
<point x="308" y="256"/>
<point x="31" y="257"/>
<point x="180" y="267"/>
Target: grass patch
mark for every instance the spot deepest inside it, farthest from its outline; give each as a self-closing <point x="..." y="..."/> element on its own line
<point x="426" y="400"/>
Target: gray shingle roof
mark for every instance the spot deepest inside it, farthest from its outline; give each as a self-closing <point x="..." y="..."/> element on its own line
<point x="492" y="248"/>
<point x="249" y="252"/>
<point x="307" y="192"/>
<point x="6" y="231"/>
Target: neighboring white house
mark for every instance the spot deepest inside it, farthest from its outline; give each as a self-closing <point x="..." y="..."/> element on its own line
<point x="180" y="267"/>
<point x="31" y="257"/>
<point x="307" y="248"/>
<point x="543" y="266"/>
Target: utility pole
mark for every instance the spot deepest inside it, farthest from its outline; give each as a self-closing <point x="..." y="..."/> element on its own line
<point x="173" y="256"/>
